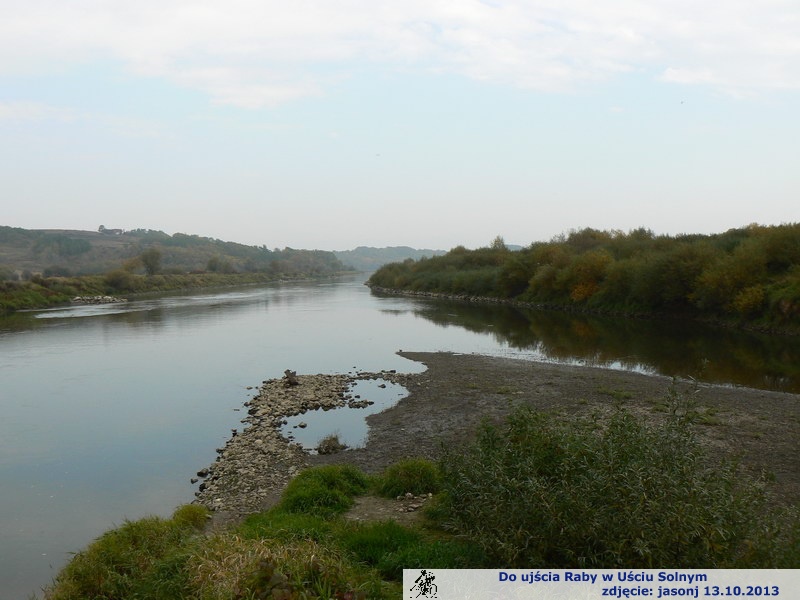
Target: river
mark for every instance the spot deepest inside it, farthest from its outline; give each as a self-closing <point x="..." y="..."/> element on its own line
<point x="107" y="411"/>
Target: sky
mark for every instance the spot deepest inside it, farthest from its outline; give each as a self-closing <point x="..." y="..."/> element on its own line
<point x="426" y="123"/>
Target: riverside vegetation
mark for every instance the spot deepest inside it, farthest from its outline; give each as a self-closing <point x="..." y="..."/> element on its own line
<point x="39" y="269"/>
<point x="748" y="276"/>
<point x="46" y="292"/>
<point x="538" y="490"/>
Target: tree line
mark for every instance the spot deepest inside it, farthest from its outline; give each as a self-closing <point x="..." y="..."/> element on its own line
<point x="749" y="275"/>
<point x="89" y="264"/>
<point x="24" y="253"/>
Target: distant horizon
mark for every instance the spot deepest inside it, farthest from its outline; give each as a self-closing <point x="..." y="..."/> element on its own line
<point x="433" y="248"/>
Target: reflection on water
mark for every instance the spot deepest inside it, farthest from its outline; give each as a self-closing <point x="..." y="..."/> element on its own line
<point x="663" y="346"/>
<point x="349" y="424"/>
<point x="151" y="309"/>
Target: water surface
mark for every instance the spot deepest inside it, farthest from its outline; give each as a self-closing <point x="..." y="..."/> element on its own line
<point x="107" y="411"/>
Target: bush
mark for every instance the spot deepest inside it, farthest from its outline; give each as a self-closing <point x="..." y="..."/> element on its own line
<point x="121" y="280"/>
<point x="190" y="516"/>
<point x="414" y="475"/>
<point x="621" y="494"/>
<point x="330" y="444"/>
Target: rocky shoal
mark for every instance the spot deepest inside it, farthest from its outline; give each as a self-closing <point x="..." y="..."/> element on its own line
<point x="97" y="299"/>
<point x="256" y="463"/>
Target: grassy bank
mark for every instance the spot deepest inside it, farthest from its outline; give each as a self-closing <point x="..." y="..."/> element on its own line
<point x="536" y="491"/>
<point x="47" y="292"/>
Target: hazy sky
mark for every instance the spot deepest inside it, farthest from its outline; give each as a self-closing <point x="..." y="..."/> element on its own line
<point x="429" y="123"/>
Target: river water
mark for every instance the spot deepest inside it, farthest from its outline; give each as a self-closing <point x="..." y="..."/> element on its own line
<point x="107" y="411"/>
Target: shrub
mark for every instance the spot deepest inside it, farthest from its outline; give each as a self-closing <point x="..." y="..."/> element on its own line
<point x="414" y="475"/>
<point x="330" y="444"/>
<point x="750" y="300"/>
<point x="190" y="516"/>
<point x="121" y="280"/>
<point x="621" y="494"/>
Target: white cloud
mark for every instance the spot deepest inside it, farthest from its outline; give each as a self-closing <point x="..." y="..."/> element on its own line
<point x="11" y="112"/>
<point x="253" y="53"/>
<point x="245" y="87"/>
<point x="34" y="111"/>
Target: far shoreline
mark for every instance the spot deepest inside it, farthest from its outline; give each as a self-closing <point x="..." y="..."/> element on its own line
<point x="181" y="283"/>
<point x="715" y="322"/>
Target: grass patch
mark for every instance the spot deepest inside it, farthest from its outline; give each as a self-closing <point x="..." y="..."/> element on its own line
<point x="279" y="525"/>
<point x="373" y="543"/>
<point x="323" y="491"/>
<point x="430" y="553"/>
<point x="229" y="567"/>
<point x="415" y="475"/>
<point x="140" y="559"/>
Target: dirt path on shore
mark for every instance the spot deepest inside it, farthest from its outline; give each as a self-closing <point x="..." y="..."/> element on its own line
<point x="448" y="400"/>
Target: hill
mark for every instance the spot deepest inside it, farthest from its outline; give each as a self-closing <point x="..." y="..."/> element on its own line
<point x="62" y="252"/>
<point x="369" y="259"/>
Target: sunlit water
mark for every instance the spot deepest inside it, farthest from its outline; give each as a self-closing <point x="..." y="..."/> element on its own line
<point x="107" y="411"/>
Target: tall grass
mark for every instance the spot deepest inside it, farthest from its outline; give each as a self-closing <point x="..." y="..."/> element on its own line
<point x="140" y="559"/>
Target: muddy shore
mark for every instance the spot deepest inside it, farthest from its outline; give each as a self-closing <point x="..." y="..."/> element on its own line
<point x="451" y="397"/>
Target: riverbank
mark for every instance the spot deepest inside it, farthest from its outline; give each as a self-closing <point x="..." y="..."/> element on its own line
<point x="54" y="292"/>
<point x="792" y="329"/>
<point x="448" y="401"/>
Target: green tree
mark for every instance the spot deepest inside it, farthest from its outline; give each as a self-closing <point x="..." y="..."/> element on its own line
<point x="218" y="264"/>
<point x="151" y="260"/>
<point x="498" y="243"/>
